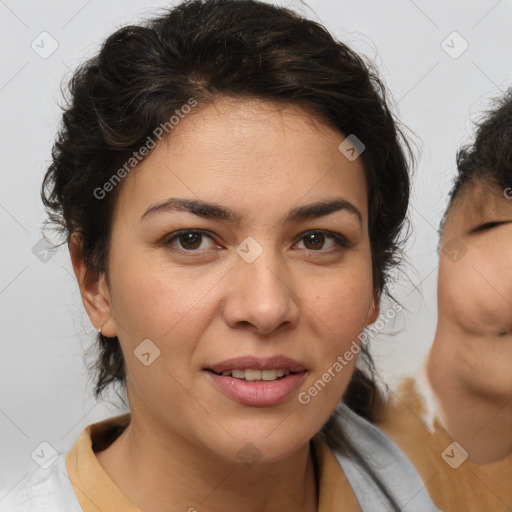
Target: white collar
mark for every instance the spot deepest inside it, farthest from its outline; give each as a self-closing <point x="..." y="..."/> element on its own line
<point x="432" y="405"/>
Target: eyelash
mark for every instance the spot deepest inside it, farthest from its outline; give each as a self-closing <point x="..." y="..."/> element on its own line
<point x="487" y="226"/>
<point x="338" y="239"/>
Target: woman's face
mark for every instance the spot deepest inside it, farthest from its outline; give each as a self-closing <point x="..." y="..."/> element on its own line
<point x="252" y="286"/>
<point x="475" y="289"/>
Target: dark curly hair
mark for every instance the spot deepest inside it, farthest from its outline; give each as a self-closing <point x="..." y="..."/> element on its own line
<point x="207" y="49"/>
<point x="489" y="158"/>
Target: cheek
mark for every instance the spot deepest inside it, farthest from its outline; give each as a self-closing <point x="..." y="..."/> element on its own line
<point x="347" y="295"/>
<point x="338" y="312"/>
<point x="344" y="311"/>
<point x="337" y="323"/>
<point x="477" y="293"/>
<point x="147" y="304"/>
<point x="172" y="309"/>
<point x="160" y="302"/>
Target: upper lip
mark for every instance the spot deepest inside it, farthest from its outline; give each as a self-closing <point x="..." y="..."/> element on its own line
<point x="258" y="363"/>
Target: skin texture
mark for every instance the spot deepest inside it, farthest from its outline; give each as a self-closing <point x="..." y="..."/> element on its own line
<point x="305" y="300"/>
<point x="469" y="363"/>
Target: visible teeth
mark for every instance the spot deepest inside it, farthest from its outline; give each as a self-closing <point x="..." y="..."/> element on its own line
<point x="269" y="374"/>
<point x="253" y="374"/>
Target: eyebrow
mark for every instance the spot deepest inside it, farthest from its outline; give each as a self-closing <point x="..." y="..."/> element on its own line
<point x="488" y="225"/>
<point x="216" y="211"/>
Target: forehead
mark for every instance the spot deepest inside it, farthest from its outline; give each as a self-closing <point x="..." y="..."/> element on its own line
<point x="478" y="203"/>
<point x="248" y="153"/>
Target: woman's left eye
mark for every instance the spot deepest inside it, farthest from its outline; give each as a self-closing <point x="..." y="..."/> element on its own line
<point x="190" y="241"/>
<point x="316" y="238"/>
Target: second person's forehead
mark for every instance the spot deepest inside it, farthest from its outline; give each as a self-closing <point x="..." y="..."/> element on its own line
<point x="480" y="202"/>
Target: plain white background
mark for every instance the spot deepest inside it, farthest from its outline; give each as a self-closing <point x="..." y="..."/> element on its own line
<point x="46" y="395"/>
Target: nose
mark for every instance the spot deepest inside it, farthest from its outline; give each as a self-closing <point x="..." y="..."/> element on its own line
<point x="261" y="296"/>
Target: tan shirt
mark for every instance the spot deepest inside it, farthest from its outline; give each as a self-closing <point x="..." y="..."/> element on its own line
<point x="466" y="488"/>
<point x="95" y="489"/>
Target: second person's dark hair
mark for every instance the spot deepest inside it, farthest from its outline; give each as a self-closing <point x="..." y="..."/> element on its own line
<point x="489" y="158"/>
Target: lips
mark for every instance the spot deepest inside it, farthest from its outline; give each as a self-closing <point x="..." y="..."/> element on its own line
<point x="258" y="363"/>
<point x="258" y="393"/>
<point x="257" y="381"/>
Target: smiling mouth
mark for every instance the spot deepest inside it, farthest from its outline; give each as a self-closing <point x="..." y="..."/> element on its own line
<point x="254" y="375"/>
<point x="257" y="387"/>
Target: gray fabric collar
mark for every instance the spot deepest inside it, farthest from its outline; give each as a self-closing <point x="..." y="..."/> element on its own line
<point x="390" y="465"/>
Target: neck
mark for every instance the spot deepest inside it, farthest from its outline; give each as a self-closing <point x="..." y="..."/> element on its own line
<point x="154" y="473"/>
<point x="477" y="419"/>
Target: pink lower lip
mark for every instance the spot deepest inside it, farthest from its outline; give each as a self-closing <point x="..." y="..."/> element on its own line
<point x="260" y="392"/>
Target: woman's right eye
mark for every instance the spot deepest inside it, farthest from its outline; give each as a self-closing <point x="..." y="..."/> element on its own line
<point x="189" y="240"/>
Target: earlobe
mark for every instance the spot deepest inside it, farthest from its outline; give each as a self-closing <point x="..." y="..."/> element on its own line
<point x="96" y="299"/>
<point x="373" y="310"/>
<point x="93" y="289"/>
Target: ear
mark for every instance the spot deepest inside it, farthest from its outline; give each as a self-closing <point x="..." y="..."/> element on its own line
<point x="93" y="289"/>
<point x="373" y="309"/>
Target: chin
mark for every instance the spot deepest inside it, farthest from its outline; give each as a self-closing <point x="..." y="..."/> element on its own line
<point x="262" y="447"/>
